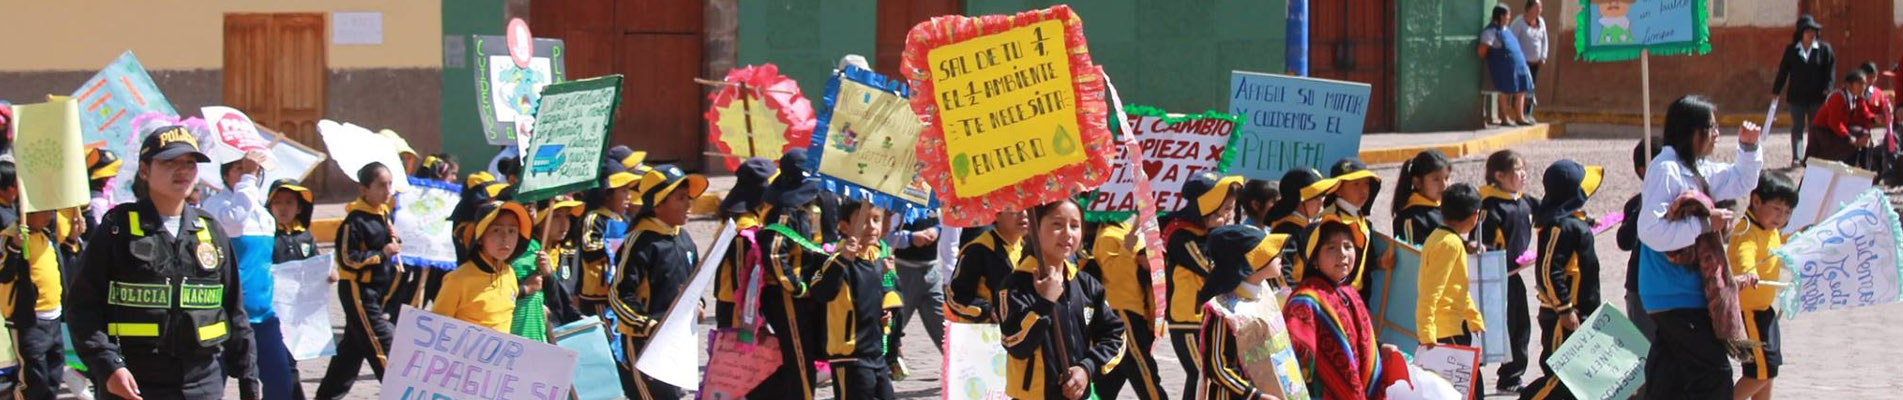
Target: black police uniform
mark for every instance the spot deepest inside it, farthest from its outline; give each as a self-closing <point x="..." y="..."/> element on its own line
<point x="166" y="307"/>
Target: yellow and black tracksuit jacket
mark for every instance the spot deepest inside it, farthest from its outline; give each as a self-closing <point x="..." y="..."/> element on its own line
<point x="733" y="268"/>
<point x="983" y="263"/>
<point x="854" y="295"/>
<point x="595" y="256"/>
<point x="1508" y="221"/>
<point x="360" y="241"/>
<point x="1292" y="267"/>
<point x="656" y="264"/>
<point x="293" y="242"/>
<point x="1374" y="249"/>
<point x="1120" y="267"/>
<point x="1044" y="338"/>
<point x="790" y="256"/>
<point x="1417" y="220"/>
<point x="479" y="292"/>
<point x="1751" y="253"/>
<point x="1568" y="267"/>
<point x="1187" y="268"/>
<point x="30" y="275"/>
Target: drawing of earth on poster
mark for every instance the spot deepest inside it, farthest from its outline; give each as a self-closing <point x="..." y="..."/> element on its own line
<point x="517" y="90"/>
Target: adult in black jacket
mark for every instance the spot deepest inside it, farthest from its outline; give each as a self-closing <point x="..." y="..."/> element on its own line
<point x="1811" y="68"/>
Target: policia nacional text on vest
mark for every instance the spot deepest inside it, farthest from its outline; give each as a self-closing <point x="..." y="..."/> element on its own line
<point x="165" y="307"/>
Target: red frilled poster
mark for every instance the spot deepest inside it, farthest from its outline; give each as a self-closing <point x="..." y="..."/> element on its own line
<point x="1013" y="108"/>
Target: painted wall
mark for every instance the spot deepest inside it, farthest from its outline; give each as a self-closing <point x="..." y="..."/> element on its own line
<point x="1439" y="76"/>
<point x="806" y="38"/>
<point x="189" y="34"/>
<point x="460" y="134"/>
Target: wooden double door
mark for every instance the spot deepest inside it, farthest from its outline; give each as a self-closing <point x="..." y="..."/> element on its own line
<point x="1353" y="40"/>
<point x="656" y="46"/>
<point x="275" y="70"/>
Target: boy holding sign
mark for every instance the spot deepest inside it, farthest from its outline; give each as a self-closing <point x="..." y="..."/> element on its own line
<point x="483" y="290"/>
<point x="30" y="275"/>
<point x="1750" y="254"/>
<point x="851" y="288"/>
<point x="655" y="266"/>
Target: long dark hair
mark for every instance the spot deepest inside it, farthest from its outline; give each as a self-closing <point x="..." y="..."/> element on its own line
<point x="1037" y="218"/>
<point x="1423" y="163"/>
<point x="1499" y="10"/>
<point x="1501" y="161"/>
<point x="1683" y="121"/>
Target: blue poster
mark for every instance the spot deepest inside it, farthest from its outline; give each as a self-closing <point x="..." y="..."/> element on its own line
<point x="109" y="102"/>
<point x="1615" y="30"/>
<point x="1291" y="121"/>
<point x="1395" y="294"/>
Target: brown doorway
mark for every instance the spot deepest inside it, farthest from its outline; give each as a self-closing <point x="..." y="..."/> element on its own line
<point x="1858" y="35"/>
<point x="275" y="71"/>
<point x="1351" y="40"/>
<point x="896" y="17"/>
<point x="656" y="46"/>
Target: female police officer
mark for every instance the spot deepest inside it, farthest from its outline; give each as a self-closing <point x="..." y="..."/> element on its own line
<point x="155" y="306"/>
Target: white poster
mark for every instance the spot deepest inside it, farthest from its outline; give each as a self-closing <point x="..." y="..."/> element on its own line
<point x="438" y="357"/>
<point x="975" y="362"/>
<point x="1846" y="261"/>
<point x="1457" y="364"/>
<point x="1487" y="282"/>
<point x="421" y="220"/>
<point x="354" y="147"/>
<point x="302" y="300"/>
<point x="1826" y="188"/>
<point x="673" y="354"/>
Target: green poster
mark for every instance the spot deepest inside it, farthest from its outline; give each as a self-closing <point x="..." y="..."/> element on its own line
<point x="1605" y="359"/>
<point x="569" y="137"/>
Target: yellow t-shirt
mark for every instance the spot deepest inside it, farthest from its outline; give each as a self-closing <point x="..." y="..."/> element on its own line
<point x="1445" y="304"/>
<point x="1751" y="252"/>
<point x="479" y="297"/>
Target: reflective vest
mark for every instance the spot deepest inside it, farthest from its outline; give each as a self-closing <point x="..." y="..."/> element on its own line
<point x="164" y="286"/>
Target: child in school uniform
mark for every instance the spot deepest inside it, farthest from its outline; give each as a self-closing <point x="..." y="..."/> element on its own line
<point x="366" y="249"/>
<point x="1506" y="223"/>
<point x="1058" y="332"/>
<point x="1245" y="259"/>
<point x="747" y="209"/>
<point x="607" y="207"/>
<point x="1417" y="196"/>
<point x="1750" y="249"/>
<point x="851" y="288"/>
<point x="983" y="263"/>
<point x="483" y="290"/>
<point x="1258" y="196"/>
<point x="656" y="263"/>
<point x="1445" y="312"/>
<point x="290" y="205"/>
<point x="553" y="241"/>
<point x="1567" y="264"/>
<point x="1211" y="202"/>
<point x="30" y="277"/>
<point x="1116" y="258"/>
<point x="1306" y="193"/>
<point x="1352" y="201"/>
<point x="1328" y="324"/>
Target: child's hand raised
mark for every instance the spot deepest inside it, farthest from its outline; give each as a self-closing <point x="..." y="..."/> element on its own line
<point x="1049" y="283"/>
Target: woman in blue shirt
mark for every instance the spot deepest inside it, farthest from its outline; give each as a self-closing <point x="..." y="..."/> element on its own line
<point x="1506" y="66"/>
<point x="1688" y="358"/>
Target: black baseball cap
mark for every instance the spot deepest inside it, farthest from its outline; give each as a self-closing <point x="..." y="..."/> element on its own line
<point x="170" y="142"/>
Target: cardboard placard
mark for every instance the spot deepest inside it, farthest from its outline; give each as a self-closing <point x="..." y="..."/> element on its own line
<point x="109" y="101"/>
<point x="50" y="157"/>
<point x="1605" y="359"/>
<point x="1616" y="30"/>
<point x="302" y="301"/>
<point x="1175" y="148"/>
<point x="1396" y="293"/>
<point x="1455" y="363"/>
<point x="756" y="112"/>
<point x="1487" y="283"/>
<point x="571" y="136"/>
<point x="1264" y="349"/>
<point x="974" y="362"/>
<point x="421" y="218"/>
<point x="1849" y="260"/>
<point x="1827" y="187"/>
<point x="1014" y="111"/>
<point x="1292" y="121"/>
<point x="506" y="91"/>
<point x="435" y="356"/>
<point x="865" y="143"/>
<point x="354" y="146"/>
<point x="736" y="368"/>
<point x="595" y="365"/>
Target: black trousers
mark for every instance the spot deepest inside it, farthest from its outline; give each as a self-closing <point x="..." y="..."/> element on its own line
<point x="857" y="380"/>
<point x="366" y="338"/>
<point x="167" y="377"/>
<point x="724" y="315"/>
<point x="1519" y="333"/>
<point x="42" y="357"/>
<point x="1687" y="361"/>
<point x="795" y="377"/>
<point x="638" y="386"/>
<point x="1184" y="340"/>
<point x="1553" y="334"/>
<point x="1138" y="366"/>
